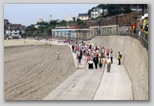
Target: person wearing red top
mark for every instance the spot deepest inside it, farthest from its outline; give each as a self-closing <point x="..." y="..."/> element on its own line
<point x="97" y="55"/>
<point x="107" y="52"/>
<point x="134" y="27"/>
<point x="88" y="58"/>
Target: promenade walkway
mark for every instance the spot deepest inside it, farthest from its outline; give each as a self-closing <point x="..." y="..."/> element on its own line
<point x="94" y="84"/>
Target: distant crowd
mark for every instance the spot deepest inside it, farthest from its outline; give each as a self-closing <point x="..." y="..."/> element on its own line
<point x="94" y="55"/>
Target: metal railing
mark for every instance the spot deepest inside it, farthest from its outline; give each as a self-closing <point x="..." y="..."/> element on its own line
<point x="141" y="37"/>
<point x="123" y="32"/>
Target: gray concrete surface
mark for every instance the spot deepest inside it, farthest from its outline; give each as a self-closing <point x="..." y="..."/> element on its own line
<point x="115" y="85"/>
<point x="82" y="85"/>
<point x="95" y="84"/>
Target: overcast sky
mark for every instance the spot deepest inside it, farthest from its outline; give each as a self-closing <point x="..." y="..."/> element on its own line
<point x="27" y="14"/>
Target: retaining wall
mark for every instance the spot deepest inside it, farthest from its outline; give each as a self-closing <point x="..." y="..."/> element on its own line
<point x="134" y="58"/>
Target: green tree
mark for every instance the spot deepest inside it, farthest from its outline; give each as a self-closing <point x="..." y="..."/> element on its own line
<point x="63" y="23"/>
<point x="53" y="23"/>
<point x="126" y="9"/>
<point x="48" y="30"/>
<point x="30" y="28"/>
<point x="89" y="12"/>
<point x="78" y="20"/>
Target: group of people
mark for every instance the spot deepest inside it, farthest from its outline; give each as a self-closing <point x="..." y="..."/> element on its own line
<point x="142" y="26"/>
<point x="95" y="56"/>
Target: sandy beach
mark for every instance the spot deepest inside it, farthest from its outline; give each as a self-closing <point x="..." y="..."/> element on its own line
<point x="31" y="72"/>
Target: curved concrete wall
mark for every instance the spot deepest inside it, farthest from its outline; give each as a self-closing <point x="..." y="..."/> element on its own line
<point x="134" y="58"/>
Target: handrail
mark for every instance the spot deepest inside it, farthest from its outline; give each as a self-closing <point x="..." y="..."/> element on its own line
<point x="141" y="37"/>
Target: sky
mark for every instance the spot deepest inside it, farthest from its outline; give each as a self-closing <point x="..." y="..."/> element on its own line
<point x="27" y="14"/>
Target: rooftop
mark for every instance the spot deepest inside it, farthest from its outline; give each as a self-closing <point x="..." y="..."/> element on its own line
<point x="83" y="14"/>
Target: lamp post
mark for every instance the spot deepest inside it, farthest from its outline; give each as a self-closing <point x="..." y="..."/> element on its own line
<point x="99" y="22"/>
<point x="79" y="33"/>
<point x="116" y="23"/>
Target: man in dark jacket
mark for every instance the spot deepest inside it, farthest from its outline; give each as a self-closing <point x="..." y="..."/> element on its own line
<point x="95" y="60"/>
<point x="72" y="48"/>
<point x="119" y="58"/>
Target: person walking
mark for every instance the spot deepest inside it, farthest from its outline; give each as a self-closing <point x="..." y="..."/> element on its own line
<point x="95" y="60"/>
<point x="72" y="47"/>
<point x="81" y="53"/>
<point x="107" y="52"/>
<point x="100" y="61"/>
<point x="111" y="57"/>
<point x="88" y="58"/>
<point x="119" y="58"/>
<point x="103" y="50"/>
<point x="78" y="56"/>
<point x="108" y="64"/>
<point x="90" y="46"/>
<point x="58" y="53"/>
<point x="90" y="64"/>
<point x="104" y="60"/>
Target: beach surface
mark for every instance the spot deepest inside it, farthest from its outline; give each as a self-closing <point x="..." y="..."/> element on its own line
<point x="31" y="72"/>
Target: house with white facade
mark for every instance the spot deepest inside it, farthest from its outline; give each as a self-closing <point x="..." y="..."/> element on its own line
<point x="40" y="20"/>
<point x="59" y="20"/>
<point x="96" y="12"/>
<point x="83" y="16"/>
<point x="69" y="18"/>
<point x="12" y="31"/>
<point x="13" y="34"/>
<point x="36" y="26"/>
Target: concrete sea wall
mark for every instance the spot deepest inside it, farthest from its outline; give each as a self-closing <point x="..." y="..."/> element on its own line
<point x="134" y="58"/>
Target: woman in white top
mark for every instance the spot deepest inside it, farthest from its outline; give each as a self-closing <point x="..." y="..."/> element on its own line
<point x="108" y="64"/>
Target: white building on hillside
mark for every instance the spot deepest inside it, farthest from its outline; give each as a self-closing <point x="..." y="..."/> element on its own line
<point x="50" y="19"/>
<point x="96" y="12"/>
<point x="69" y="18"/>
<point x="83" y="16"/>
<point x="59" y="20"/>
<point x="40" y="20"/>
<point x="12" y="34"/>
<point x="36" y="26"/>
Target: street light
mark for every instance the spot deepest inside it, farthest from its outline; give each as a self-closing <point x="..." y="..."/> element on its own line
<point x="99" y="22"/>
<point x="116" y="23"/>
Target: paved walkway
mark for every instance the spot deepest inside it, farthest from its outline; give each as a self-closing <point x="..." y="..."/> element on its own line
<point x="115" y="85"/>
<point x="94" y="84"/>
